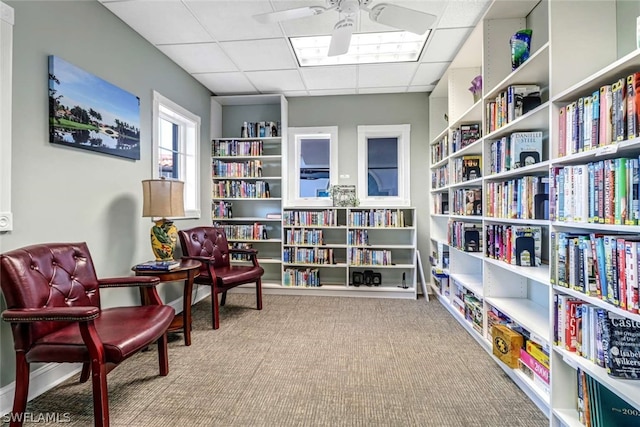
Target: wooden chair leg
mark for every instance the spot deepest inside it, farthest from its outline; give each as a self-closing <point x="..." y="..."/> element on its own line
<point x="223" y="300"/>
<point x="215" y="309"/>
<point x="100" y="396"/>
<point x="163" y="358"/>
<point x="259" y="294"/>
<point x="86" y="371"/>
<point x="22" y="390"/>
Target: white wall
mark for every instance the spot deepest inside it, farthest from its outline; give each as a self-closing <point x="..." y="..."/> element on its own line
<point x="62" y="194"/>
<point x="349" y="111"/>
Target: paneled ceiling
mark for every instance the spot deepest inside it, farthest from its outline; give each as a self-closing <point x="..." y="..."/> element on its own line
<point x="223" y="47"/>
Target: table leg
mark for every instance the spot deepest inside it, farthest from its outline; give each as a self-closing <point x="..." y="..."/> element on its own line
<point x="186" y="309"/>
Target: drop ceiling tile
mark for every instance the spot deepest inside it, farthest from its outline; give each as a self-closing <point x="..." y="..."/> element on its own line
<point x="462" y="13"/>
<point x="226" y="83"/>
<point x="425" y="88"/>
<point x="394" y="89"/>
<point x="233" y="20"/>
<point x="199" y="57"/>
<point x="253" y="55"/>
<point x="385" y="75"/>
<point x="276" y="81"/>
<point x="434" y="7"/>
<point x="160" y="22"/>
<point x="329" y="77"/>
<point x="444" y="43"/>
<point x="332" y="92"/>
<point x="429" y="73"/>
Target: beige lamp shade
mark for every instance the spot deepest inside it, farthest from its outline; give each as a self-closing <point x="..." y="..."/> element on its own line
<point x="163" y="198"/>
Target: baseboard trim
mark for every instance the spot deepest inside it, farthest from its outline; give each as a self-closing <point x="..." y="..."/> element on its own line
<point x="50" y="375"/>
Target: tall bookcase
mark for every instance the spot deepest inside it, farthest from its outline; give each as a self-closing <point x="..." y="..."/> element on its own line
<point x="569" y="60"/>
<point x="246" y="174"/>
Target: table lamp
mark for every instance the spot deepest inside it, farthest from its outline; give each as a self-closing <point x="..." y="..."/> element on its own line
<point x="163" y="198"/>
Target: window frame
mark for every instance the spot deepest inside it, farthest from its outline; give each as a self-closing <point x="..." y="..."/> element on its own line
<point x="295" y="134"/>
<point x="188" y="130"/>
<point x="403" y="135"/>
<point x="6" y="52"/>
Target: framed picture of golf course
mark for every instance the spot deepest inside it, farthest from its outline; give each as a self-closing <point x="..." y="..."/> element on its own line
<point x="88" y="112"/>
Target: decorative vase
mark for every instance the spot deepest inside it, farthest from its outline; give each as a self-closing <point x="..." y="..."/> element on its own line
<point x="164" y="237"/>
<point x="520" y="47"/>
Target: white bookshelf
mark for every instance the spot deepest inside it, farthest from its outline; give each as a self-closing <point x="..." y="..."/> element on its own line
<point x="566" y="68"/>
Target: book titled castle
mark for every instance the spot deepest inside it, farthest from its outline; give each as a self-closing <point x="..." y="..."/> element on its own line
<point x="621" y="344"/>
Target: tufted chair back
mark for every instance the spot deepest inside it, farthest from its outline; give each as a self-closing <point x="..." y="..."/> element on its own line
<point x="210" y="242"/>
<point x="50" y="275"/>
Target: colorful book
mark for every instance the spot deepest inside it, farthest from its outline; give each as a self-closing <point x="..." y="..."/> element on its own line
<point x="158" y="265"/>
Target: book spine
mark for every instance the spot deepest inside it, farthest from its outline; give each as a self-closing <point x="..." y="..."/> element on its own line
<point x="534" y="365"/>
<point x="562" y="147"/>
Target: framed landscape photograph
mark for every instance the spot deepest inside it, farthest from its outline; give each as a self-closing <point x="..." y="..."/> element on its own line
<point x="88" y="112"/>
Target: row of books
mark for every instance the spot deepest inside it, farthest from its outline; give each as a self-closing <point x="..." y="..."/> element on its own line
<point x="223" y="148"/>
<point x="248" y="169"/>
<point x="255" y="231"/>
<point x="516" y="150"/>
<point x="358" y="237"/>
<point x="521" y="198"/>
<point x="440" y="203"/>
<point x="240" y="245"/>
<point x="308" y="256"/>
<point x="360" y="256"/>
<point x="221" y="209"/>
<point x="241" y="189"/>
<point x="599" y="407"/>
<point x="262" y="129"/>
<point x="440" y="149"/>
<point x="610" y="114"/>
<point x="464" y="236"/>
<point x="325" y="218"/>
<point x="511" y="104"/>
<point x="467" y="201"/>
<point x="606" y="339"/>
<point x="440" y="177"/>
<point x="514" y="244"/>
<point x="309" y="277"/>
<point x="598" y="265"/>
<point x="603" y="192"/>
<point x="378" y="218"/>
<point x="467" y="168"/>
<point x="303" y="237"/>
<point x="465" y="135"/>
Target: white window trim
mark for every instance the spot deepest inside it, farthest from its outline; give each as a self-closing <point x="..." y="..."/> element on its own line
<point x="294" y="135"/>
<point x="158" y="100"/>
<point x="6" y="55"/>
<point x="403" y="133"/>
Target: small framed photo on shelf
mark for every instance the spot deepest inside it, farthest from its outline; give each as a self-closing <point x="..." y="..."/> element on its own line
<point x="344" y="195"/>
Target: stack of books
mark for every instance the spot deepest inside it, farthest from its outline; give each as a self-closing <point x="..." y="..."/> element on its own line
<point x="158" y="265"/>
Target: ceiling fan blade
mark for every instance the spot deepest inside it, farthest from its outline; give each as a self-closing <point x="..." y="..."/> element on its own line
<point x="403" y="18"/>
<point x="341" y="37"/>
<point x="286" y="15"/>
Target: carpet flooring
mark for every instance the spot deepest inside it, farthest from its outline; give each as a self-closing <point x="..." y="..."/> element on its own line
<point x="309" y="361"/>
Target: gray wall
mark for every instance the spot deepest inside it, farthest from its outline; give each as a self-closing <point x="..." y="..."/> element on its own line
<point x="66" y="194"/>
<point x="348" y="112"/>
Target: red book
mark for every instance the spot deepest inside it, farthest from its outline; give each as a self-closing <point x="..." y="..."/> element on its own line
<point x="538" y="368"/>
<point x="571" y="326"/>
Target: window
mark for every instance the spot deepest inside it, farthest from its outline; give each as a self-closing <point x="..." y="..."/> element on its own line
<point x="176" y="150"/>
<point x="314" y="160"/>
<point x="383" y="165"/>
<point x="6" y="57"/>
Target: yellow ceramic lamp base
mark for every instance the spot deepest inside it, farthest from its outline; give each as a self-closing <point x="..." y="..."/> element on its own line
<point x="164" y="236"/>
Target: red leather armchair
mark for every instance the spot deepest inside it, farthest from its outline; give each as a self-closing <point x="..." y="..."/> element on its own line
<point x="209" y="246"/>
<point x="53" y="304"/>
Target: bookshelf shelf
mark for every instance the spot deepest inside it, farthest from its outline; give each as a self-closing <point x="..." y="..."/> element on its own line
<point x="535" y="169"/>
<point x="530" y="315"/>
<point x="597" y="301"/>
<point x="537" y="118"/>
<point x="539" y="274"/>
<point x="471" y="282"/>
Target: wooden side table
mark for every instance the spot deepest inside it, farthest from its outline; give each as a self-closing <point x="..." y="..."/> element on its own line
<point x="188" y="270"/>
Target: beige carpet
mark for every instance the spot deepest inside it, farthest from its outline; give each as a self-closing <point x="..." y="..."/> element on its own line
<point x="310" y="361"/>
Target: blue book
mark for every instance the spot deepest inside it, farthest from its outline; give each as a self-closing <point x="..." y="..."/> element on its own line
<point x="158" y="265"/>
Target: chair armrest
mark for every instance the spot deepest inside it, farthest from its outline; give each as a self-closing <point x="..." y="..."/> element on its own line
<point x="202" y="259"/>
<point x="243" y="251"/>
<point x="64" y="314"/>
<point x="115" y="282"/>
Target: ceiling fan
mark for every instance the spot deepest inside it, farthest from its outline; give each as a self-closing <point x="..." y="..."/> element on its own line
<point x="411" y="20"/>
